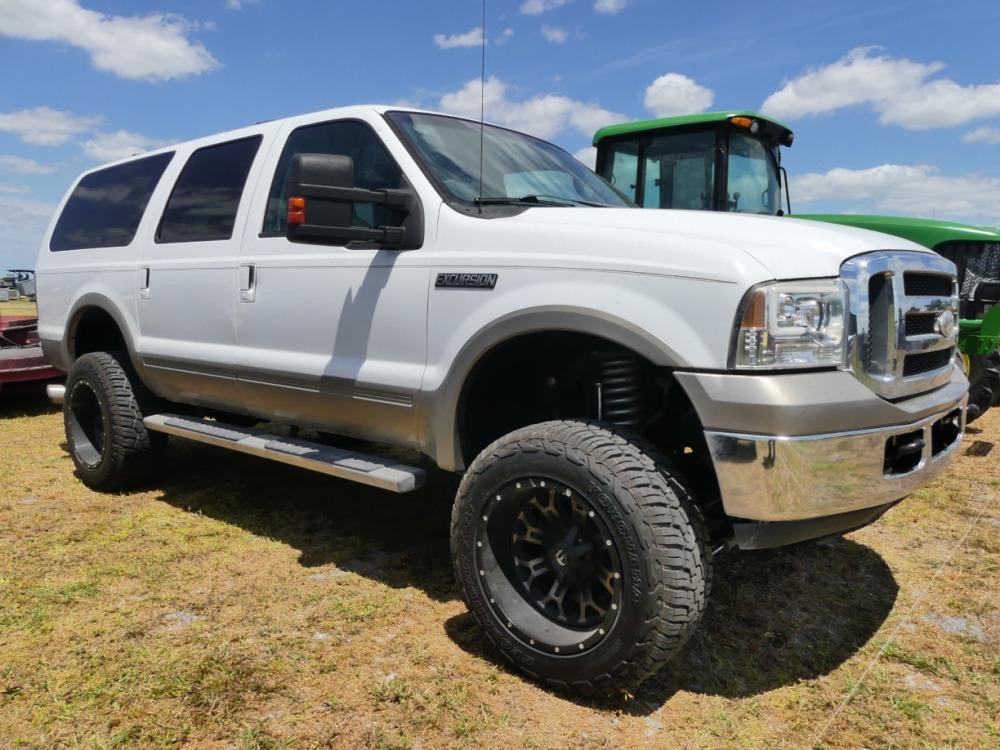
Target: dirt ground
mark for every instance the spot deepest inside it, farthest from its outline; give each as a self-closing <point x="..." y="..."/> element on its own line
<point x="237" y="603"/>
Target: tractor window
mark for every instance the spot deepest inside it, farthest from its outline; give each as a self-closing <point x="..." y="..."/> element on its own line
<point x="753" y="177"/>
<point x="680" y="171"/>
<point x="625" y="167"/>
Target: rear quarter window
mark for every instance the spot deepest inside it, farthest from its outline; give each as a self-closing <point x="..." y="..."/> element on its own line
<point x="106" y="206"/>
<point x="206" y="197"/>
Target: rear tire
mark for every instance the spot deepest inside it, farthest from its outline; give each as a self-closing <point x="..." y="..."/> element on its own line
<point x="110" y="446"/>
<point x="984" y="384"/>
<point x="580" y="554"/>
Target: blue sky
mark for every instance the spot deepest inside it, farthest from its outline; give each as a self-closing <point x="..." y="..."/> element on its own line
<point x="896" y="105"/>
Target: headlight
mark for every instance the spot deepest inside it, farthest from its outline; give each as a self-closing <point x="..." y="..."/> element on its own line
<point x="793" y="324"/>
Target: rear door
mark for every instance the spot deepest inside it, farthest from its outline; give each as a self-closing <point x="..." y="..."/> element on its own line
<point x="187" y="278"/>
<point x="331" y="336"/>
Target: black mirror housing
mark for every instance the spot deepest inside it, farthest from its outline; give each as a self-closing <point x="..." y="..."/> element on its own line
<point x="321" y="198"/>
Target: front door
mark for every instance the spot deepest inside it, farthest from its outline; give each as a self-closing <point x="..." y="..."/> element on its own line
<point x="331" y="336"/>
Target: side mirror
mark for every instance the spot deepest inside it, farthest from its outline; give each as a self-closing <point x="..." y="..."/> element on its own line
<point x="321" y="198"/>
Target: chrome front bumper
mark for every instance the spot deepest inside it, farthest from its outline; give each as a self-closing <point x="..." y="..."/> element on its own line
<point x="778" y="478"/>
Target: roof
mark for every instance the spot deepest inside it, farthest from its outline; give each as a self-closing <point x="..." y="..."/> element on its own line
<point x="682" y="120"/>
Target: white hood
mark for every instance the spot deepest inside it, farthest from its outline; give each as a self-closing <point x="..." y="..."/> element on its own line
<point x="787" y="248"/>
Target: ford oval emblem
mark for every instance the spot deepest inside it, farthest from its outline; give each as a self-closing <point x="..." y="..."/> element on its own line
<point x="945" y="323"/>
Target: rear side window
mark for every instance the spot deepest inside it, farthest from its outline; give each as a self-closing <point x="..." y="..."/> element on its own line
<point x="206" y="197"/>
<point x="106" y="206"/>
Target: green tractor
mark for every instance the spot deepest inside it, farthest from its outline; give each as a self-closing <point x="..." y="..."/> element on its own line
<point x="731" y="161"/>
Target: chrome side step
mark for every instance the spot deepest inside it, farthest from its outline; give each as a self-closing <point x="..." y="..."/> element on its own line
<point x="337" y="462"/>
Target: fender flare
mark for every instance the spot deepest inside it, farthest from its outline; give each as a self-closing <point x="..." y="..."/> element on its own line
<point x="439" y="422"/>
<point x="102" y="303"/>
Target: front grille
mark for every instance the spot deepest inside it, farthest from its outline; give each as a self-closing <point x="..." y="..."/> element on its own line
<point x="917" y="364"/>
<point x="920" y="324"/>
<point x="896" y="299"/>
<point x="927" y="285"/>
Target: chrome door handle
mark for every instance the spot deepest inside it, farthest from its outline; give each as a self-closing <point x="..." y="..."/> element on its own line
<point x="143" y="283"/>
<point x="248" y="282"/>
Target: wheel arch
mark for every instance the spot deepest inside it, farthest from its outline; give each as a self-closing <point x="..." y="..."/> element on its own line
<point x="442" y="423"/>
<point x="95" y="309"/>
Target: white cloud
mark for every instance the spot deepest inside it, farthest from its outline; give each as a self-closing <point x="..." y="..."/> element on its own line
<point x="120" y="144"/>
<point x="915" y="190"/>
<point x="554" y="34"/>
<point x="896" y="88"/>
<point x="676" y="94"/>
<point x="20" y="165"/>
<point x="537" y="7"/>
<point x="544" y="116"/>
<point x="8" y="189"/>
<point x="471" y="38"/>
<point x="505" y="36"/>
<point x="153" y="47"/>
<point x="610" y="6"/>
<point x="588" y="156"/>
<point x="238" y="4"/>
<point x="22" y="224"/>
<point x="987" y="134"/>
<point x="44" y="126"/>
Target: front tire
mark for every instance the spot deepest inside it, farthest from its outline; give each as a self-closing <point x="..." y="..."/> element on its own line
<point x="110" y="446"/>
<point x="580" y="554"/>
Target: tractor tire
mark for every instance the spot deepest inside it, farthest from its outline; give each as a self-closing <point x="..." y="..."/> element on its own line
<point x="110" y="446"/>
<point x="984" y="382"/>
<point x="580" y="554"/>
<point x="994" y="375"/>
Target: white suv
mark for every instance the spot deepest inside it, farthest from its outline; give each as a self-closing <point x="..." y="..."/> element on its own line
<point x="627" y="392"/>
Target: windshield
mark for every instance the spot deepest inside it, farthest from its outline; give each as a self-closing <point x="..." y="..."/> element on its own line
<point x="515" y="166"/>
<point x="753" y="177"/>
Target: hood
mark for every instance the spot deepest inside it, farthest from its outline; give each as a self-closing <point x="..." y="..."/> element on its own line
<point x="787" y="248"/>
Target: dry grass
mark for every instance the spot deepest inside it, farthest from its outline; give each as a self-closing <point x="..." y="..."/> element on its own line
<point x="16" y="307"/>
<point x="238" y="603"/>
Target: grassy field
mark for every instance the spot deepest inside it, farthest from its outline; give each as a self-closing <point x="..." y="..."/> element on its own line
<point x="237" y="603"/>
<point x="18" y="307"/>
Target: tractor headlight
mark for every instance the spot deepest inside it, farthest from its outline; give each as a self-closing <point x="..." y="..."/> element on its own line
<point x="793" y="324"/>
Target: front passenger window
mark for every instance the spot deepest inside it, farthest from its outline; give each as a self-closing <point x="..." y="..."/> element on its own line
<point x="374" y="169"/>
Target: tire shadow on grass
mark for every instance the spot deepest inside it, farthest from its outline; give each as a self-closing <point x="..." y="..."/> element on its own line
<point x="337" y="526"/>
<point x="774" y="618"/>
<point x="26" y="400"/>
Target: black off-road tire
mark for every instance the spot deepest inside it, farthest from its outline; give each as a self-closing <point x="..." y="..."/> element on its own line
<point x="984" y="385"/>
<point x="994" y="371"/>
<point x="102" y="413"/>
<point x="665" y="575"/>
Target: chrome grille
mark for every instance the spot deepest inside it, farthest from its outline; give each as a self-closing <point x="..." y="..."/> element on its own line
<point x="899" y="303"/>
<point x="927" y="284"/>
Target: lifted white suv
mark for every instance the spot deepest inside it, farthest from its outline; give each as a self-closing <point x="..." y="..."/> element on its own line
<point x="627" y="392"/>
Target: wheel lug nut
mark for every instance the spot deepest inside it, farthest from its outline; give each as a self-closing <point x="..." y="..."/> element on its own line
<point x="607" y="542"/>
<point x="591" y="514"/>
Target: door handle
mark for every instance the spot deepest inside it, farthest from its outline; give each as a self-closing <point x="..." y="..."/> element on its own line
<point x="248" y="282"/>
<point x="143" y="283"/>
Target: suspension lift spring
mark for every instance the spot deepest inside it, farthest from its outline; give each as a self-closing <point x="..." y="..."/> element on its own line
<point x="619" y="389"/>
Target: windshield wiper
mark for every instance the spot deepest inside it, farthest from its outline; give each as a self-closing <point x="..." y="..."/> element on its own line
<point x="534" y="200"/>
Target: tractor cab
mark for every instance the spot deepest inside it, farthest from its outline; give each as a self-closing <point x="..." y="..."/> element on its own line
<point x="715" y="161"/>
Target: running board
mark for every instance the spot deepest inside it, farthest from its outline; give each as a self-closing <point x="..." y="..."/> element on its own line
<point x="337" y="462"/>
